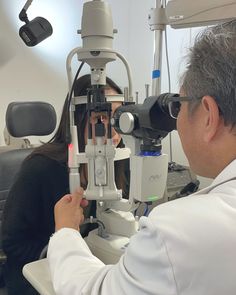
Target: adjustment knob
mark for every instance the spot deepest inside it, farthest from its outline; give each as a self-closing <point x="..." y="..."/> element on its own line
<point x="126" y="122"/>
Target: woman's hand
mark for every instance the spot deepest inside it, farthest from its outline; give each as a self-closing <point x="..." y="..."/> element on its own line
<point x="68" y="211"/>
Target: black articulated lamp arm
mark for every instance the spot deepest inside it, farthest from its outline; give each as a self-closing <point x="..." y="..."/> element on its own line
<point x="23" y="15"/>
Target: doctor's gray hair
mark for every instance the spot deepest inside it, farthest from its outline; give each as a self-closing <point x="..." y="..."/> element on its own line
<point x="211" y="69"/>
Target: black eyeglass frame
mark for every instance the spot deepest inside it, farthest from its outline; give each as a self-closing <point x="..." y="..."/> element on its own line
<point x="178" y="99"/>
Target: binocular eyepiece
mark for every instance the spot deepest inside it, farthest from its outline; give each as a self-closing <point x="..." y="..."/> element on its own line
<point x="150" y="120"/>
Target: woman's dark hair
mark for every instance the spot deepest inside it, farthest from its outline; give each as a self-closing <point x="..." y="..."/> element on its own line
<point x="57" y="147"/>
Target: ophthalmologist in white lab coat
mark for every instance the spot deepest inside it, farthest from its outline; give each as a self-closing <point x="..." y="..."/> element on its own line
<point x="187" y="246"/>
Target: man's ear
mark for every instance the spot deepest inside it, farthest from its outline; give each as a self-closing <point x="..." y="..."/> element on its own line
<point x="211" y="117"/>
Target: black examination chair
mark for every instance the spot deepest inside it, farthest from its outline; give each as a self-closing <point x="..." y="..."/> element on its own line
<point x="22" y="119"/>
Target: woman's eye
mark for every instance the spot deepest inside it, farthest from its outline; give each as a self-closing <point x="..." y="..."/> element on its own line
<point x="94" y="119"/>
<point x="103" y="118"/>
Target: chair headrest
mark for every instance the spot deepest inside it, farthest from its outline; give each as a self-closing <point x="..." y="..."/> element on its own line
<point x="30" y="118"/>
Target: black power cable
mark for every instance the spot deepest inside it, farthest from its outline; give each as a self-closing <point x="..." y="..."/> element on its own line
<point x="69" y="98"/>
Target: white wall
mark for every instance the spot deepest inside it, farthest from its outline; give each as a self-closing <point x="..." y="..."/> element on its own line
<point x="38" y="73"/>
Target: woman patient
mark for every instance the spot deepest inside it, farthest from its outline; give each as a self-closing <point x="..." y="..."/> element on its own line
<point x="28" y="219"/>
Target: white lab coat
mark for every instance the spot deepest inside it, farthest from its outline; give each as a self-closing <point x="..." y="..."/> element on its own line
<point x="186" y="247"/>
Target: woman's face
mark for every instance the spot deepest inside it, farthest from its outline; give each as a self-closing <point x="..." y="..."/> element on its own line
<point x="103" y="116"/>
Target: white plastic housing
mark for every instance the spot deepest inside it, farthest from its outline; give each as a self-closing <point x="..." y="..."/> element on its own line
<point x="149" y="176"/>
<point x="101" y="185"/>
<point x="97" y="37"/>
<point x="108" y="250"/>
<point x="185" y="13"/>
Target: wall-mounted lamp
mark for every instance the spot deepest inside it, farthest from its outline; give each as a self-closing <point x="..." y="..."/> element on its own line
<point x="34" y="31"/>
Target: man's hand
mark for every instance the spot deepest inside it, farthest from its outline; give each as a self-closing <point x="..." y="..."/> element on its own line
<point x="68" y="211"/>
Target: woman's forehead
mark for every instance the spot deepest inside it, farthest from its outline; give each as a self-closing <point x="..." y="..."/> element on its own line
<point x="110" y="91"/>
